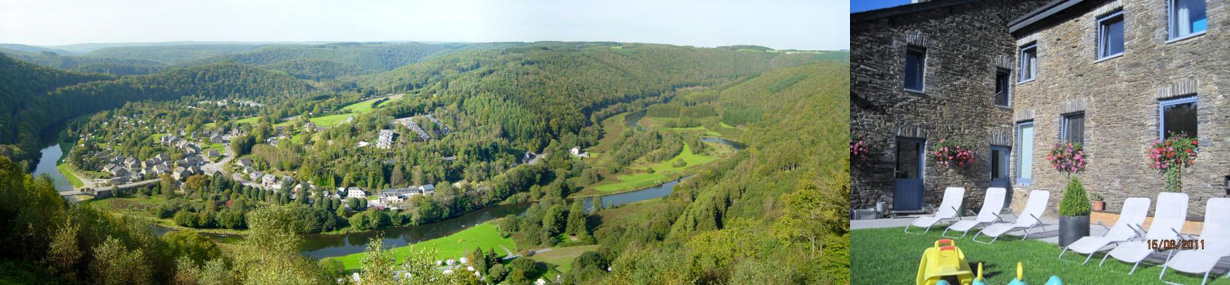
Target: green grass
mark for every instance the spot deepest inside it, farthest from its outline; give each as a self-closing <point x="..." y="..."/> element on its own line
<point x="459" y="244"/>
<point x="67" y="171"/>
<point x="330" y="120"/>
<point x="888" y="256"/>
<point x="361" y="107"/>
<point x="663" y="171"/>
<point x="562" y="257"/>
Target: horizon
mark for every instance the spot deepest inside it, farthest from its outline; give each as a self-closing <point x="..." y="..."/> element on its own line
<point x="183" y="43"/>
<point x="785" y="24"/>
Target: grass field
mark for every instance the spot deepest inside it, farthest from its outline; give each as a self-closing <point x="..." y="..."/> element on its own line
<point x="663" y="171"/>
<point x="67" y="171"/>
<point x="330" y="120"/>
<point x="459" y="244"/>
<point x="888" y="256"/>
<point x="562" y="257"/>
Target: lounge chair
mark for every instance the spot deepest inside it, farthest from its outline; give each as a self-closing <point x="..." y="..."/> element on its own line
<point x="991" y="206"/>
<point x="1126" y="228"/>
<point x="1168" y="218"/>
<point x="1215" y="239"/>
<point x="1029" y="218"/>
<point x="947" y="211"/>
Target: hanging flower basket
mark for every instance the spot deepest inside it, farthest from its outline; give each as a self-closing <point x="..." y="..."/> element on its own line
<point x="1069" y="158"/>
<point x="950" y="155"/>
<point x="859" y="150"/>
<point x="1169" y="157"/>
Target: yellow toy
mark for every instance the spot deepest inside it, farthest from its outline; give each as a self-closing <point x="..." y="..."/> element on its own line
<point x="944" y="261"/>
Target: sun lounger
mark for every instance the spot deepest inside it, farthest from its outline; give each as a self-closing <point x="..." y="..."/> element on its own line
<point x="1215" y="238"/>
<point x="1029" y="218"/>
<point x="1126" y="228"/>
<point x="991" y="206"/>
<point x="1168" y="218"/>
<point x="947" y="211"/>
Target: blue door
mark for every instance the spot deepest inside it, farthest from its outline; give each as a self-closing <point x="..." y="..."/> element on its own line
<point x="1000" y="155"/>
<point x="908" y="192"/>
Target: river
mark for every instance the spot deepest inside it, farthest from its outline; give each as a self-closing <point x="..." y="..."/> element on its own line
<point x="47" y="166"/>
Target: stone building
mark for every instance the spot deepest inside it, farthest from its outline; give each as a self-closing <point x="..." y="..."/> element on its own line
<point x="1117" y="76"/>
<point x="924" y="73"/>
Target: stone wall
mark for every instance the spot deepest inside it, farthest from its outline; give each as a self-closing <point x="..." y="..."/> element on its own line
<point x="965" y="45"/>
<point x="1120" y="99"/>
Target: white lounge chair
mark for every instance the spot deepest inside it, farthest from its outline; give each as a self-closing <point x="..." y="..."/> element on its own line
<point x="1126" y="228"/>
<point x="1029" y="218"/>
<point x="1216" y="242"/>
<point x="947" y="210"/>
<point x="991" y="206"/>
<point x="1168" y="218"/>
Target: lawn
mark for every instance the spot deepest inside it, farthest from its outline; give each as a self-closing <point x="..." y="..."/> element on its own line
<point x="662" y="172"/>
<point x="562" y="257"/>
<point x="68" y="173"/>
<point x="330" y="120"/>
<point x="459" y="244"/>
<point x="888" y="256"/>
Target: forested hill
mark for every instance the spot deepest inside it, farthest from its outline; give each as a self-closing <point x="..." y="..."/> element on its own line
<point x="21" y="86"/>
<point x="40" y="106"/>
<point x="328" y="61"/>
<point x="542" y="90"/>
<point x="776" y="213"/>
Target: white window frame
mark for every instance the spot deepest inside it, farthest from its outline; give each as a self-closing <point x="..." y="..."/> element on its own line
<point x="1172" y="29"/>
<point x="1024" y="68"/>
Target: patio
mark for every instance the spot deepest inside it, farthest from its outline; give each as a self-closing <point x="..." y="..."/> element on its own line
<point x="882" y="254"/>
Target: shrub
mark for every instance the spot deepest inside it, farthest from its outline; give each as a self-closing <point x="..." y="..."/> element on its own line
<point x="1075" y="202"/>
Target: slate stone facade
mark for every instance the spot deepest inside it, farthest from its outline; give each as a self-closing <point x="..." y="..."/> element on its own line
<point x="1120" y="98"/>
<point x="966" y="43"/>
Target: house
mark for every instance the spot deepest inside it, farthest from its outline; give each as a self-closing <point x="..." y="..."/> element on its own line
<point x="256" y="176"/>
<point x="928" y="72"/>
<point x="271" y="182"/>
<point x="355" y="192"/>
<point x="576" y="152"/>
<point x="1116" y="76"/>
<point x="414" y="127"/>
<point x="131" y="163"/>
<point x="244" y="162"/>
<point x="363" y="144"/>
<point x="180" y="173"/>
<point x="385" y="139"/>
<point x="216" y="138"/>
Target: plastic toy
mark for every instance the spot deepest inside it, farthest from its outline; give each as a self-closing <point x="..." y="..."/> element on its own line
<point x="944" y="262"/>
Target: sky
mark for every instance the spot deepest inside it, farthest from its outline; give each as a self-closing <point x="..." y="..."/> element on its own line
<point x="866" y="5"/>
<point x="779" y="24"/>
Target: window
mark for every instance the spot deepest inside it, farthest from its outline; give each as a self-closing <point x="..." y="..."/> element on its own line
<point x="1025" y="158"/>
<point x="1072" y="128"/>
<point x="1177" y="117"/>
<point x="999" y="165"/>
<point x="1187" y="18"/>
<point x="1029" y="62"/>
<point x="1002" y="98"/>
<point x="1110" y="35"/>
<point x="915" y="68"/>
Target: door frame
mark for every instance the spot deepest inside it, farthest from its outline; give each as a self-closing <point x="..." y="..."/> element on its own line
<point x="921" y="168"/>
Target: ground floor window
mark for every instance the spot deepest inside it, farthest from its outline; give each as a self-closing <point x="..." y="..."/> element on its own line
<point x="1000" y="156"/>
<point x="1177" y="117"/>
<point x="1072" y="128"/>
<point x="1025" y="153"/>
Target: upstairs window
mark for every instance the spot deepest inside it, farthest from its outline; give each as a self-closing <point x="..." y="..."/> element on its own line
<point x="1029" y="62"/>
<point x="1072" y="128"/>
<point x="1110" y="35"/>
<point x="915" y="68"/>
<point x="1177" y="117"/>
<point x="1187" y="18"/>
<point x="1002" y="97"/>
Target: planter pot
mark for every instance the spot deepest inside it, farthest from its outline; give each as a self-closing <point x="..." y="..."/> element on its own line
<point x="1098" y="206"/>
<point x="1072" y="228"/>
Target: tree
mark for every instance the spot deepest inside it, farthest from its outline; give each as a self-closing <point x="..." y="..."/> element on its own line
<point x="378" y="264"/>
<point x="115" y="263"/>
<point x="576" y="220"/>
<point x="398" y="177"/>
<point x="65" y="252"/>
<point x="167" y="184"/>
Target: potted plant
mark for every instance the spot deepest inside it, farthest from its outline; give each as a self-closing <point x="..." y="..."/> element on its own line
<point x="1171" y="156"/>
<point x="950" y="155"/>
<point x="1096" y="202"/>
<point x="1070" y="158"/>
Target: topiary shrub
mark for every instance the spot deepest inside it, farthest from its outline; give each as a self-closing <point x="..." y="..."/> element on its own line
<point x="1075" y="201"/>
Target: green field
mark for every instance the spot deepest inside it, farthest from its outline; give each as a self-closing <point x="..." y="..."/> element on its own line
<point x="67" y="171"/>
<point x="459" y="244"/>
<point x="330" y="120"/>
<point x="889" y="256"/>
<point x="562" y="257"/>
<point x="663" y="171"/>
